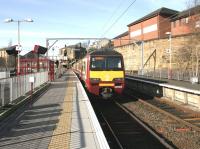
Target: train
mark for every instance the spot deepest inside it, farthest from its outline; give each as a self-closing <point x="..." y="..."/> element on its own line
<point x="102" y="72"/>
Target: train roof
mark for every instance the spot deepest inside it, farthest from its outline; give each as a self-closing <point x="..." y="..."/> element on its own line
<point x="108" y="52"/>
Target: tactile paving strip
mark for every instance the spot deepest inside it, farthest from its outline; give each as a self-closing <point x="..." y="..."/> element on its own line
<point x="61" y="134"/>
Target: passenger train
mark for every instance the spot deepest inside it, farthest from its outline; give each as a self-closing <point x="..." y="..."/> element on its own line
<point x="102" y="72"/>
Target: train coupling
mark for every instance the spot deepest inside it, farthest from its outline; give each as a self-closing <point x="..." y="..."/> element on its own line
<point x="106" y="92"/>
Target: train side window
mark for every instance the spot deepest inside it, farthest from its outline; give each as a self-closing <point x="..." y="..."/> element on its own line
<point x="84" y="66"/>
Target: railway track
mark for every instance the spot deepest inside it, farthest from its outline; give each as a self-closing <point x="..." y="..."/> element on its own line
<point x="123" y="129"/>
<point x="176" y="123"/>
<point x="183" y="115"/>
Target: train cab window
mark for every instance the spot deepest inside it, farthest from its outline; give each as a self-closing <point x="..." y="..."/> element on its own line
<point x="98" y="63"/>
<point x="106" y="63"/>
<point x="114" y="63"/>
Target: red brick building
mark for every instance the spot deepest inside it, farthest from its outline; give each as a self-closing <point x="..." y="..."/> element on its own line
<point x="186" y="22"/>
<point x="153" y="25"/>
<point x="156" y="24"/>
<point x="122" y="39"/>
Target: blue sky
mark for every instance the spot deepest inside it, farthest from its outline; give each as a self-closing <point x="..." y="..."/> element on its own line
<point x="72" y="18"/>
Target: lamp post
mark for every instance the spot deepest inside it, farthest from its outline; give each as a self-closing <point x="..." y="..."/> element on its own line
<point x="170" y="55"/>
<point x="9" y="20"/>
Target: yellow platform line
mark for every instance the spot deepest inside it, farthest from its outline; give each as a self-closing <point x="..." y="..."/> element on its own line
<point x="61" y="135"/>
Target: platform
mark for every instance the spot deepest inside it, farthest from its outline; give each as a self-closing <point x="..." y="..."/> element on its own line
<point x="176" y="84"/>
<point x="181" y="91"/>
<point x="62" y="118"/>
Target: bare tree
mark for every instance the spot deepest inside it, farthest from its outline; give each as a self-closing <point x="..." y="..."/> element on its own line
<point x="194" y="26"/>
<point x="181" y="57"/>
<point x="192" y="3"/>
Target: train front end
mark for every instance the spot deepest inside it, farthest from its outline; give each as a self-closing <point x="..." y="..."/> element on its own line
<point x="106" y="75"/>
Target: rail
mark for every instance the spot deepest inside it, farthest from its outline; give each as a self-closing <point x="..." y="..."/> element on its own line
<point x="143" y="124"/>
<point x="13" y="88"/>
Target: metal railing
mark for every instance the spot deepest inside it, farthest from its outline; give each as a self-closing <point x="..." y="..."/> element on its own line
<point x="163" y="74"/>
<point x="15" y="87"/>
<point x="59" y="72"/>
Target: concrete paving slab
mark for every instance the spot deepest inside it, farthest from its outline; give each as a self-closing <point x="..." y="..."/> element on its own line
<point x="83" y="140"/>
<point x="81" y="125"/>
<point x="61" y="114"/>
<point x="82" y="114"/>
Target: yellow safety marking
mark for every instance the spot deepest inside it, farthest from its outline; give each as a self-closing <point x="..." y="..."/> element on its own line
<point x="61" y="135"/>
<point x="106" y="84"/>
<point x="106" y="75"/>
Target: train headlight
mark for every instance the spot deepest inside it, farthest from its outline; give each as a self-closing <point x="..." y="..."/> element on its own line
<point x="95" y="80"/>
<point x="118" y="79"/>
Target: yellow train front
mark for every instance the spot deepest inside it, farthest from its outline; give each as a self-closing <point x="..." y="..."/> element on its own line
<point x="105" y="73"/>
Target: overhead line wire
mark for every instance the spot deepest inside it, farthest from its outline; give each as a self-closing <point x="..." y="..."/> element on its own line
<point x="119" y="18"/>
<point x="120" y="4"/>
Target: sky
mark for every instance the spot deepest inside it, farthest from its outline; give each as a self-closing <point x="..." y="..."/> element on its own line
<point x="72" y="18"/>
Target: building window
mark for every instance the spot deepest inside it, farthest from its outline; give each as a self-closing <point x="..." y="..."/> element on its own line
<point x="197" y="25"/>
<point x="177" y="22"/>
<point x="65" y="53"/>
<point x="183" y="20"/>
<point x="186" y="20"/>
<point x="174" y="24"/>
